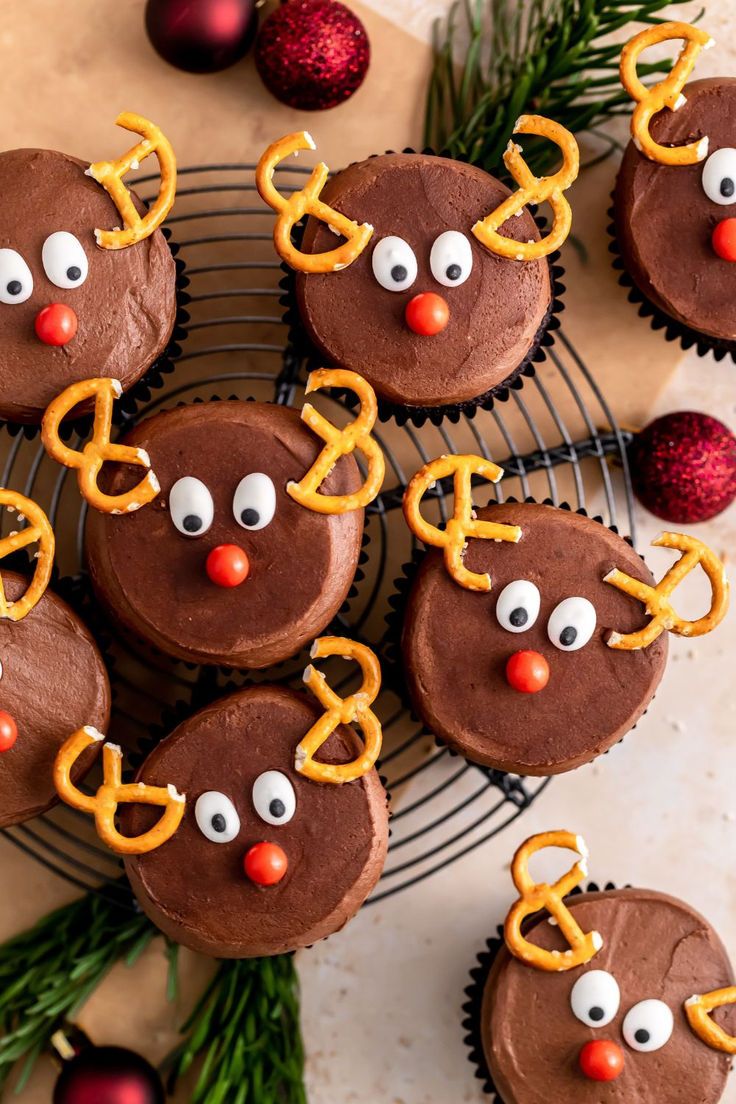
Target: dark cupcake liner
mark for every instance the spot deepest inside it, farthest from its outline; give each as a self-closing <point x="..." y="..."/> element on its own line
<point x="658" y="320"/>
<point x="127" y="406"/>
<point x="471" y="1008"/>
<point x="302" y="351"/>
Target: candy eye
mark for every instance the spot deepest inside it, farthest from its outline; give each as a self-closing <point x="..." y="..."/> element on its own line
<point x="216" y="817"/>
<point x="648" y="1025"/>
<point x="571" y="624"/>
<point x="64" y="261"/>
<point x="719" y="176"/>
<point x="451" y="259"/>
<point x="16" y="282"/>
<point x="254" y="501"/>
<point x="394" y="264"/>
<point x="517" y="607"/>
<point x="595" y="997"/>
<point x="273" y="797"/>
<point x="191" y="506"/>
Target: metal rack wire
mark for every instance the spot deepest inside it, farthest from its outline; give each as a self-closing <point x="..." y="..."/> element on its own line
<point x="556" y="438"/>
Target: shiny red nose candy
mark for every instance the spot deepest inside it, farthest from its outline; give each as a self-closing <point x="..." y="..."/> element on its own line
<point x="427" y="314"/>
<point x="602" y="1060"/>
<point x="527" y="672"/>
<point x="8" y="731"/>
<point x="227" y="565"/>
<point x="56" y="324"/>
<point x="265" y="863"/>
<point x="724" y="239"/>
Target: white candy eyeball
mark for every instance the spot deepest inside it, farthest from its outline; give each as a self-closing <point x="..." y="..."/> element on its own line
<point x="719" y="176"/>
<point x="517" y="607"/>
<point x="273" y="797"/>
<point x="451" y="258"/>
<point x="648" y="1025"/>
<point x="216" y="817"/>
<point x="16" y="282"/>
<point x="254" y="501"/>
<point x="394" y="264"/>
<point x="191" y="506"/>
<point x="595" y="997"/>
<point x="64" y="261"/>
<point x="571" y="624"/>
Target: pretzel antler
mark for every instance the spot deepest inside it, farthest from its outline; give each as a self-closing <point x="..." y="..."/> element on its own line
<point x="698" y="1011"/>
<point x="110" y="175"/>
<point x="37" y="531"/>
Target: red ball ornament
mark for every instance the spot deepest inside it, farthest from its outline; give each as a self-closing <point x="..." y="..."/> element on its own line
<point x="201" y="36"/>
<point x="265" y="864"/>
<point x="602" y="1060"/>
<point x="527" y="672"/>
<point x="56" y="324"/>
<point x="108" y="1075"/>
<point x="427" y="314"/>
<point x="8" y="731"/>
<point x="683" y="467"/>
<point x="227" y="565"/>
<point x="312" y="54"/>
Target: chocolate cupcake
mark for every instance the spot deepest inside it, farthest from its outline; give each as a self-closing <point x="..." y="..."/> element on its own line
<point x="73" y="303"/>
<point x="630" y="1022"/>
<point x="435" y="315"/>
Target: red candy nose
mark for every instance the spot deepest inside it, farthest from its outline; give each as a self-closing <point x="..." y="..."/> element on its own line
<point x="602" y="1060"/>
<point x="8" y="731"/>
<point x="227" y="565"/>
<point x="527" y="672"/>
<point x="56" y="324"/>
<point x="724" y="239"/>
<point x="427" y="314"/>
<point x="265" y="864"/>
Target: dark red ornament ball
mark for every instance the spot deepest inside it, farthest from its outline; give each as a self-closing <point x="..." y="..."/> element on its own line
<point x="312" y="54"/>
<point x="108" y="1075"/>
<point x="201" y="36"/>
<point x="683" y="467"/>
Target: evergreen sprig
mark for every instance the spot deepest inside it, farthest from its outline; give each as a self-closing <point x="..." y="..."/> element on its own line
<point x="552" y="57"/>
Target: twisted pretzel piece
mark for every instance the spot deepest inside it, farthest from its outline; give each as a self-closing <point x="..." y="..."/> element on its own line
<point x="340" y="442"/>
<point x="103" y="804"/>
<point x="698" y="1009"/>
<point x="666" y="93"/>
<point x="656" y="599"/>
<point x="99" y="449"/>
<point x="355" y="709"/>
<point x="534" y="190"/>
<point x="536" y="896"/>
<point x="463" y="523"/>
<point x="110" y="175"/>
<point x="37" y="531"/>
<point x="306" y="201"/>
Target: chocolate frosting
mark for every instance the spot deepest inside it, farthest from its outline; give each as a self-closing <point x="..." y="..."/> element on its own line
<point x="494" y="316"/>
<point x="455" y="651"/>
<point x="664" y="219"/>
<point x="153" y="578"/>
<point x="53" y="681"/>
<point x="125" y="308"/>
<point x="656" y="947"/>
<point x="196" y="890"/>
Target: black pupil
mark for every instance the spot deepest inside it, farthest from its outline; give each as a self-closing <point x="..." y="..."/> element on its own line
<point x="453" y="272"/>
<point x="727" y="187"/>
<point x="15" y="287"/>
<point x="250" y="516"/>
<point x="518" y="617"/>
<point x="192" y="523"/>
<point x="277" y="807"/>
<point x="568" y="636"/>
<point x="642" y="1035"/>
<point x="73" y="273"/>
<point x="596" y="1013"/>
<point x="399" y="273"/>
<point x="218" y="822"/>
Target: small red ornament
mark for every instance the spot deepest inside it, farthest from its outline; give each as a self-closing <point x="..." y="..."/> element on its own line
<point x="724" y="239"/>
<point x="602" y="1060"/>
<point x="265" y="863"/>
<point x="56" y="324"/>
<point x="427" y="314"/>
<point x="8" y="731"/>
<point x="683" y="467"/>
<point x="527" y="672"/>
<point x="201" y="36"/>
<point x="312" y="54"/>
<point x="108" y="1075"/>
<point x="227" y="565"/>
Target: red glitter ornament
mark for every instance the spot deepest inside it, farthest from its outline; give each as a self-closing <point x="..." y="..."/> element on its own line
<point x="683" y="467"/>
<point x="312" y="54"/>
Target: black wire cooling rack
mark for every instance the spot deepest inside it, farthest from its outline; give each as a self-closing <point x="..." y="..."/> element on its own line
<point x="555" y="438"/>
